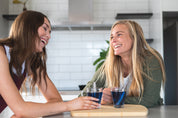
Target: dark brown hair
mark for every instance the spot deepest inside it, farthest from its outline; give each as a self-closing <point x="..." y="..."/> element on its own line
<point x="21" y="40"/>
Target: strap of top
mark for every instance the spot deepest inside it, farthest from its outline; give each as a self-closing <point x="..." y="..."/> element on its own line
<point x="7" y="51"/>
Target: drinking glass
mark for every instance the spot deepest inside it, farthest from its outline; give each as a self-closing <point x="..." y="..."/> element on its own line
<point x="118" y="97"/>
<point x="95" y="92"/>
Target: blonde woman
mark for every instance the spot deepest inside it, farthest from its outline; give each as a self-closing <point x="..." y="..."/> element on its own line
<point x="131" y="64"/>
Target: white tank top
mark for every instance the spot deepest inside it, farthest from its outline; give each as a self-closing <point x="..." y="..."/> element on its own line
<point x="9" y="58"/>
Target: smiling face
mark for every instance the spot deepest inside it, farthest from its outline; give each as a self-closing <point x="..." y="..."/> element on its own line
<point x="121" y="42"/>
<point x="44" y="33"/>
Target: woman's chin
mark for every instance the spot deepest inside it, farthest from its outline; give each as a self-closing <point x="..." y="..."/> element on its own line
<point x="39" y="50"/>
<point x="116" y="53"/>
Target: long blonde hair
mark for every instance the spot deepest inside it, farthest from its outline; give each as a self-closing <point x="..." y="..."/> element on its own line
<point x="113" y="64"/>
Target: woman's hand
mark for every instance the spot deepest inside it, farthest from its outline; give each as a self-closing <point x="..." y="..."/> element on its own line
<point x="106" y="97"/>
<point x="82" y="103"/>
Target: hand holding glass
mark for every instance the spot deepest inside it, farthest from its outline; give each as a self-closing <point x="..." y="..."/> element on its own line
<point x="95" y="92"/>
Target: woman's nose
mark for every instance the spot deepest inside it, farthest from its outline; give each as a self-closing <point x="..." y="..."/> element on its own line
<point x="113" y="39"/>
<point x="48" y="34"/>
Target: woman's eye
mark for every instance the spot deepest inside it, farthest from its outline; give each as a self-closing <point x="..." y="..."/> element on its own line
<point x="45" y="28"/>
<point x="119" y="34"/>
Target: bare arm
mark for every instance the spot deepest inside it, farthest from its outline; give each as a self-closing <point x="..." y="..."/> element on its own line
<point x="10" y="94"/>
<point x="49" y="92"/>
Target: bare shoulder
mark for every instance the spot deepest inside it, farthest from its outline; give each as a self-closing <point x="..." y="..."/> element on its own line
<point x="4" y="67"/>
<point x="2" y="48"/>
<point x="3" y="57"/>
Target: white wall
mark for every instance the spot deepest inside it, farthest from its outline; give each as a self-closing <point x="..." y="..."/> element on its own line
<point x="156" y="29"/>
<point x="71" y="53"/>
<point x="156" y="25"/>
<point x="4" y="9"/>
<point x="169" y="5"/>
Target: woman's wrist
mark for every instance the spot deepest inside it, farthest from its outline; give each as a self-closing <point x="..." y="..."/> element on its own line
<point x="67" y="106"/>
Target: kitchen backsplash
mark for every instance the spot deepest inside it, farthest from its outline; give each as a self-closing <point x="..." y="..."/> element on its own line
<point x="71" y="53"/>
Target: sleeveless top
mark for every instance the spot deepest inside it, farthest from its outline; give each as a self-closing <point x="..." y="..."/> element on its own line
<point x="18" y="81"/>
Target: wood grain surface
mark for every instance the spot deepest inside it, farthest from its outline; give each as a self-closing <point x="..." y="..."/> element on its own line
<point x="108" y="110"/>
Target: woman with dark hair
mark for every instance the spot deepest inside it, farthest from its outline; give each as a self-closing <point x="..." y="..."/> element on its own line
<point x="23" y="56"/>
<point x="131" y="64"/>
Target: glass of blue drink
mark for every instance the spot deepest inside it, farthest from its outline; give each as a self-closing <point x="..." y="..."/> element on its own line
<point x="97" y="93"/>
<point x="118" y="97"/>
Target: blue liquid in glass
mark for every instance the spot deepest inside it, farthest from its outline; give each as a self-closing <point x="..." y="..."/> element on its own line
<point x="97" y="95"/>
<point x="118" y="98"/>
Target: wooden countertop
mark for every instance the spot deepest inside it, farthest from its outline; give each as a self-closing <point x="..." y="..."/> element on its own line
<point x="164" y="111"/>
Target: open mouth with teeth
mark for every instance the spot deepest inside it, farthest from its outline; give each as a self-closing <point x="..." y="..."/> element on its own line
<point x="117" y="46"/>
<point x="43" y="41"/>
